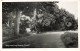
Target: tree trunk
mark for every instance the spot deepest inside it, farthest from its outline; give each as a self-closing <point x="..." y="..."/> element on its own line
<point x="35" y="18"/>
<point x="16" y="22"/>
<point x="35" y="13"/>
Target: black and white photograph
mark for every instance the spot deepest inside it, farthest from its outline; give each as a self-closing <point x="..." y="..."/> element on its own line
<point x="48" y="24"/>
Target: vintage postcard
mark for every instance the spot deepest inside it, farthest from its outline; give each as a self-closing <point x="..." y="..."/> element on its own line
<point x="40" y="24"/>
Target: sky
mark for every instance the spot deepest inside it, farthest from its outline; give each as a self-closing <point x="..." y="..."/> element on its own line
<point x="72" y="7"/>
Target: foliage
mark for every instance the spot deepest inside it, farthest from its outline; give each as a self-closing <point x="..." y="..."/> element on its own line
<point x="70" y="40"/>
<point x="7" y="31"/>
<point x="49" y="16"/>
<point x="54" y="18"/>
<point x="68" y="20"/>
<point x="23" y="25"/>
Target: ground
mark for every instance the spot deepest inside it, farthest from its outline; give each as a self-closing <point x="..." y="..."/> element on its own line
<point x="42" y="40"/>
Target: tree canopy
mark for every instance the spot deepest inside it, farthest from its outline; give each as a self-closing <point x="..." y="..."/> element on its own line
<point x="46" y="16"/>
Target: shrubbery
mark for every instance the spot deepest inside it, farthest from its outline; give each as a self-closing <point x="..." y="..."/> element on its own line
<point x="70" y="40"/>
<point x="7" y="31"/>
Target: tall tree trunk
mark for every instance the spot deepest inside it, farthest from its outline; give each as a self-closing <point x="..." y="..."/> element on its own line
<point x="16" y="23"/>
<point x="34" y="16"/>
<point x="35" y="13"/>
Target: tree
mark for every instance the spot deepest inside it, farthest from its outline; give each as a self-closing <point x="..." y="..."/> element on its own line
<point x="68" y="20"/>
<point x="54" y="18"/>
<point x="42" y="21"/>
<point x="8" y="7"/>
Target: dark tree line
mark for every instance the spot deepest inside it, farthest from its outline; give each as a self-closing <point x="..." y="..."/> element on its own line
<point x="54" y="18"/>
<point x="45" y="16"/>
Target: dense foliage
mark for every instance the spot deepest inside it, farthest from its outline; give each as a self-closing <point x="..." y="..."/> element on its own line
<point x="47" y="17"/>
<point x="54" y="18"/>
<point x="70" y="40"/>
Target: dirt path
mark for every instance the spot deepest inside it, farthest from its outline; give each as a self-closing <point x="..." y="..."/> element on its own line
<point x="45" y="40"/>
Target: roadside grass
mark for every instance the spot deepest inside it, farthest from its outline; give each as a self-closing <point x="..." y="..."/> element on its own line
<point x="8" y="34"/>
<point x="70" y="39"/>
<point x="8" y="38"/>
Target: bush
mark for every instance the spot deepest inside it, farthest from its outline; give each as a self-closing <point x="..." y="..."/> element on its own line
<point x="7" y="31"/>
<point x="70" y="40"/>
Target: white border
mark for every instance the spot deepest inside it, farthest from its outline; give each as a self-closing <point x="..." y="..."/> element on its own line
<point x="37" y="49"/>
